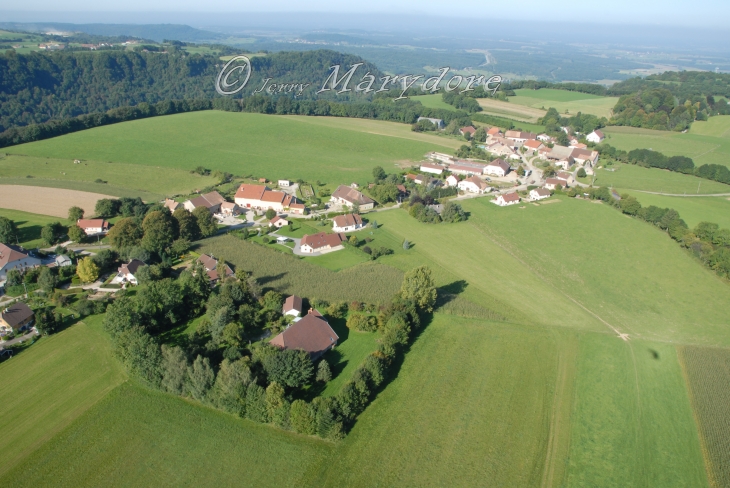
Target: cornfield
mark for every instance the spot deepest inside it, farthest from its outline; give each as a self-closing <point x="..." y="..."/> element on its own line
<point x="708" y="374"/>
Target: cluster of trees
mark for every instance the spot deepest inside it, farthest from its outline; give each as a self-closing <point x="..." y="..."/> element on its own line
<point x="592" y="88"/>
<point x="685" y="85"/>
<point x="706" y="241"/>
<point x="419" y="207"/>
<point x="385" y="189"/>
<point x="655" y="109"/>
<point x="462" y="102"/>
<point x="583" y="123"/>
<point x="51" y="233"/>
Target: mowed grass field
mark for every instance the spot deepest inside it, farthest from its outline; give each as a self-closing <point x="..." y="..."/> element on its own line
<point x="706" y="142"/>
<point x="510" y="110"/>
<point x="433" y="101"/>
<point x="150" y="181"/>
<point x="330" y="150"/>
<point x="692" y="209"/>
<point x="632" y="177"/>
<point x="565" y="101"/>
<point x="29" y="226"/>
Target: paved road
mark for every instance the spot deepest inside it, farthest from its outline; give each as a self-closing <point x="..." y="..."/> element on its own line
<point x="17" y="340"/>
<point x="685" y="195"/>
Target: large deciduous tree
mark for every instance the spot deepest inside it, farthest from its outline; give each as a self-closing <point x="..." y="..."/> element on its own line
<point x="8" y="230"/>
<point x="418" y="286"/>
<point x="205" y="220"/>
<point x="159" y="231"/>
<point x="187" y="224"/>
<point x="87" y="270"/>
<point x="125" y="233"/>
<point x="75" y="213"/>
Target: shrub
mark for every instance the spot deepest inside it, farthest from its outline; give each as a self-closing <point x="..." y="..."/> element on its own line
<point x="362" y="322"/>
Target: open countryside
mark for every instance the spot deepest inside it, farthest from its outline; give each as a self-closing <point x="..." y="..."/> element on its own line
<point x="565" y="102"/>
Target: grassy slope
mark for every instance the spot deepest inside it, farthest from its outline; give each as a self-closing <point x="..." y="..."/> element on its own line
<point x="562" y="101"/>
<point x="147" y="179"/>
<point x="271" y="146"/>
<point x="352" y="349"/>
<point x="692" y="210"/>
<point x="51" y="384"/>
<point x="514" y="111"/>
<point x="29" y="226"/>
<point x="631" y="177"/>
<point x="705" y="142"/>
<point x="433" y="101"/>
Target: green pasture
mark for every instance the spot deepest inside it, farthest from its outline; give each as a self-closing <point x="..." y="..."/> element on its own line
<point x="433" y="101"/>
<point x="692" y="209"/>
<point x="338" y="260"/>
<point x="565" y="102"/>
<point x="248" y="144"/>
<point x="133" y="180"/>
<point x="632" y="177"/>
<point x="29" y="226"/>
<point x="51" y="384"/>
<point x="706" y="142"/>
<point x="351" y="350"/>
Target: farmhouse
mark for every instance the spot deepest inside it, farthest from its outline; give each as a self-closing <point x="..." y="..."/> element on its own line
<point x="474" y="185"/>
<point x="321" y="242"/>
<point x="566" y="178"/>
<point x="585" y="156"/>
<point x="212" y="201"/>
<point x="467" y="130"/>
<point x="494" y="131"/>
<point x="349" y="196"/>
<point x="533" y="145"/>
<point x="16" y="318"/>
<point x="439" y="123"/>
<point x="292" y="306"/>
<point x="261" y="197"/>
<point x="432" y="168"/>
<point x="498" y="167"/>
<point x="213" y="269"/>
<point x="127" y="272"/>
<point x="230" y="208"/>
<point x="452" y="180"/>
<point x="553" y="183"/>
<point x="171" y="205"/>
<point x="347" y="223"/>
<point x="539" y="194"/>
<point x="93" y="227"/>
<point x="595" y="136"/>
<point x="12" y="257"/>
<point x="507" y="199"/>
<point x="278" y="222"/>
<point x="500" y="149"/>
<point x="519" y="136"/>
<point x="311" y="334"/>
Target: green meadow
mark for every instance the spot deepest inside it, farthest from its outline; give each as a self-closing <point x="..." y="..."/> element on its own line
<point x="706" y="142"/>
<point x="29" y="226"/>
<point x="246" y="144"/>
<point x="632" y="177"/>
<point x="565" y="102"/>
<point x="692" y="209"/>
<point x="433" y="101"/>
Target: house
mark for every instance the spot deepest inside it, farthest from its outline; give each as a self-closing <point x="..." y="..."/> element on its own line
<point x="284" y="183"/>
<point x="278" y="222"/>
<point x="230" y="208"/>
<point x="435" y="169"/>
<point x="411" y="177"/>
<point x="444" y="158"/>
<point x="566" y="178"/>
<point x="321" y="242"/>
<point x="500" y="149"/>
<point x="127" y="272"/>
<point x="344" y="195"/>
<point x="297" y="208"/>
<point x="292" y="306"/>
<point x="461" y="169"/>
<point x="402" y="191"/>
<point x="584" y="156"/>
<point x="544" y="138"/>
<point x="539" y="193"/>
<point x="93" y="227"/>
<point x="12" y="257"/>
<point x="439" y="123"/>
<point x="578" y="145"/>
<point x="533" y="145"/>
<point x="311" y="334"/>
<point x="263" y="198"/>
<point x="553" y="183"/>
<point x="263" y="180"/>
<point x="474" y="185"/>
<point x="519" y="136"/>
<point x="212" y="201"/>
<point x="171" y="205"/>
<point x="60" y="261"/>
<point x="467" y="130"/>
<point x="213" y="269"/>
<point x="494" y="131"/>
<point x="498" y="167"/>
<point x="596" y="136"/>
<point x="507" y="199"/>
<point x="347" y="223"/>
<point x="452" y="180"/>
<point x="16" y="318"/>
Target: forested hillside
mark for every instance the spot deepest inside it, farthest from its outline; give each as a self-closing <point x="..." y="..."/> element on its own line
<point x="39" y="87"/>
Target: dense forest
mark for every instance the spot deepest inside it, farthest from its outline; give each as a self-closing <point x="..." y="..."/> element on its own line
<point x="40" y="87"/>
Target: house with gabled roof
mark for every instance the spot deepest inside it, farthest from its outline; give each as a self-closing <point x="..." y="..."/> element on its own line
<point x="474" y="185"/>
<point x="278" y="222"/>
<point x="292" y="306"/>
<point x="452" y="180"/>
<point x="596" y="136"/>
<point x="263" y="198"/>
<point x="171" y="205"/>
<point x="347" y="223"/>
<point x="498" y="167"/>
<point x="467" y="130"/>
<point x="311" y="334"/>
<point x="344" y="195"/>
<point x="507" y="199"/>
<point x="13" y="257"/>
<point x="212" y="201"/>
<point x="93" y="227"/>
<point x="16" y="318"/>
<point x="539" y="194"/>
<point x="321" y="242"/>
<point x="519" y="136"/>
<point x="435" y="169"/>
<point x="213" y="268"/>
<point x="553" y="183"/>
<point x="127" y="272"/>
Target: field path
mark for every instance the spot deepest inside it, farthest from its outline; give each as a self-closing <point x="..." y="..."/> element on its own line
<point x="47" y="201"/>
<point x="685" y="195"/>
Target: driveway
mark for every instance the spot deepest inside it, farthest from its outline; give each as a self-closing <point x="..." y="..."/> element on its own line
<point x="297" y="246"/>
<point x="20" y="339"/>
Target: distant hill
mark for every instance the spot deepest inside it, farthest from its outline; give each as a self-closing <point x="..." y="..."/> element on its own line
<point x="154" y="32"/>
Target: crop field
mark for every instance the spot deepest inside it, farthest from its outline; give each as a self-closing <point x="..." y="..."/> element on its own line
<point x="51" y="384"/>
<point x="706" y="142"/>
<point x="515" y="111"/>
<point x="692" y="209"/>
<point x="143" y="180"/>
<point x="248" y="144"/>
<point x="632" y="177"/>
<point x="565" y="101"/>
<point x="368" y="282"/>
<point x="708" y="374"/>
<point x="29" y="226"/>
<point x="48" y="201"/>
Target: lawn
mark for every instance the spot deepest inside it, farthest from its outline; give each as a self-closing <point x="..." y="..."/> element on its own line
<point x="565" y="101"/>
<point x="632" y="177"/>
<point x="338" y="260"/>
<point x="707" y="142"/>
<point x="433" y="101"/>
<point x="51" y="384"/>
<point x="146" y="180"/>
<point x="248" y="144"/>
<point x="693" y="210"/>
<point x="29" y="226"/>
<point x="352" y="349"/>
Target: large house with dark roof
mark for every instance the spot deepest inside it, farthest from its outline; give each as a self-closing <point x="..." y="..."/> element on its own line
<point x="213" y="270"/>
<point x="12" y="257"/>
<point x="127" y="272"/>
<point x="16" y="318"/>
<point x="345" y="195"/>
<point x="321" y="242"/>
<point x="347" y="223"/>
<point x="312" y="334"/>
<point x="212" y="201"/>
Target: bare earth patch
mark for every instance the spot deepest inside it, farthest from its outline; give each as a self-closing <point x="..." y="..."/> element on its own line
<point x="47" y="201"/>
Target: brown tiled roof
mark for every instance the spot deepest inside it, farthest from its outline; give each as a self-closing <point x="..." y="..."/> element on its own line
<point x="200" y="202"/>
<point x="171" y="204"/>
<point x="90" y="223"/>
<point x="481" y="184"/>
<point x="311" y="334"/>
<point x="563" y="175"/>
<point x="500" y="163"/>
<point x="276" y="219"/>
<point x="411" y="177"/>
<point x="511" y="197"/>
<point x="214" y="198"/>
<point x="347" y="220"/>
<point x="251" y="192"/>
<point x="401" y="188"/>
<point x="208" y="262"/>
<point x="543" y="192"/>
<point x="322" y="239"/>
<point x="516" y="134"/>
<point x="469" y="129"/>
<point x="533" y="144"/>
<point x="273" y="196"/>
<point x="8" y="254"/>
<point x="16" y="314"/>
<point x="131" y="267"/>
<point x="464" y="168"/>
<point x="293" y="302"/>
<point x="554" y="181"/>
<point x="599" y="133"/>
<point x="296" y="205"/>
<point x="351" y="195"/>
<point x="493" y="130"/>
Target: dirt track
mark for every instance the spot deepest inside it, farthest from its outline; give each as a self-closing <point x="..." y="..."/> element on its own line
<point x="47" y="201"/>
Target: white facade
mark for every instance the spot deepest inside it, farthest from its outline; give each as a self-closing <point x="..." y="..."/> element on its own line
<point x="535" y="195"/>
<point x="494" y="170"/>
<point x="452" y="180"/>
<point x="473" y="187"/>
<point x="432" y="168"/>
<point x="594" y="137"/>
<point x="503" y="202"/>
<point x="284" y="183"/>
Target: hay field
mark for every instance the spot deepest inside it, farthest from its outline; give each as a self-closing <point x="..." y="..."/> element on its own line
<point x="565" y="101"/>
<point x="47" y="201"/>
<point x="510" y="110"/>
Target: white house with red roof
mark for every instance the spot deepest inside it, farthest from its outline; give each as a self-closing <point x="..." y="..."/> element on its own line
<point x="596" y="136"/>
<point x="347" y="223"/>
<point x="452" y="180"/>
<point x="263" y="198"/>
<point x="498" y="167"/>
<point x="321" y="242"/>
<point x="12" y="257"/>
<point x="93" y="227"/>
<point x="474" y="185"/>
<point x="533" y="145"/>
<point x="278" y="222"/>
<point x="507" y="199"/>
<point x="292" y="306"/>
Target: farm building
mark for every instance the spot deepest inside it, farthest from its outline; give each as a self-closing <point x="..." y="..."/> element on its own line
<point x="474" y="185"/>
<point x="498" y="167"/>
<point x="263" y="198"/>
<point x="539" y="193"/>
<point x="596" y="136"/>
<point x="212" y="201"/>
<point x="344" y="195"/>
<point x="435" y="169"/>
<point x="312" y="334"/>
<point x="12" y="257"/>
<point x="347" y="223"/>
<point x="507" y="199"/>
<point x="321" y="242"/>
<point x="93" y="227"/>
<point x="16" y="318"/>
<point x="292" y="306"/>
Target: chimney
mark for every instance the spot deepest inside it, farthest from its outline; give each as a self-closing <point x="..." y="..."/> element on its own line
<point x="311" y="310"/>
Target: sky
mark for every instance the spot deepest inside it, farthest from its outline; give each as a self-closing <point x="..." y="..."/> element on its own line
<point x="654" y="12"/>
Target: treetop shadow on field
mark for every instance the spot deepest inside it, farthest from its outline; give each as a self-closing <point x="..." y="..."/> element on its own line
<point x="448" y="293"/>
